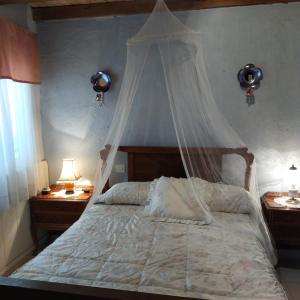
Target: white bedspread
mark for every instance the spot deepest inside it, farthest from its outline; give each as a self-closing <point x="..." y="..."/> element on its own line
<point x="115" y="246"/>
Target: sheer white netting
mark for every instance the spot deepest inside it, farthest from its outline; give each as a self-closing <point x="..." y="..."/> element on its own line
<point x="166" y="100"/>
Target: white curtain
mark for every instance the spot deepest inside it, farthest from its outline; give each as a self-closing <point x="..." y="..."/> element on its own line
<point x="21" y="148"/>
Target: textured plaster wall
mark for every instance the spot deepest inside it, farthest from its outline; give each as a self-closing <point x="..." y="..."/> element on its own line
<point x="268" y="36"/>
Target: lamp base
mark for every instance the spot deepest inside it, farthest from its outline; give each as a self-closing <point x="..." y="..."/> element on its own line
<point x="292" y="201"/>
<point x="69" y="187"/>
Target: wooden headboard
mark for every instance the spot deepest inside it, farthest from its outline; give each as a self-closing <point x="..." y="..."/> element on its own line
<point x="148" y="163"/>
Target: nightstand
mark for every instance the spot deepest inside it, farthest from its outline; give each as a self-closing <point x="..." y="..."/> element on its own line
<point x="283" y="222"/>
<point x="56" y="211"/>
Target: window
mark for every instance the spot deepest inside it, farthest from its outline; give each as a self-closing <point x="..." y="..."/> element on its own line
<point x="20" y="141"/>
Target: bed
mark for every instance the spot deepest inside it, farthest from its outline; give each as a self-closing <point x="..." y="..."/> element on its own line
<point x="115" y="252"/>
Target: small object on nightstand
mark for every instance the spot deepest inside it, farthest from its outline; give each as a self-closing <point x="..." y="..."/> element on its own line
<point x="46" y="191"/>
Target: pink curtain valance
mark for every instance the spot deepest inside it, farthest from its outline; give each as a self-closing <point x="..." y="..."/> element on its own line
<point x="19" y="53"/>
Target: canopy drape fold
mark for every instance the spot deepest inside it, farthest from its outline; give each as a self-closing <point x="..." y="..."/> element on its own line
<point x="166" y="100"/>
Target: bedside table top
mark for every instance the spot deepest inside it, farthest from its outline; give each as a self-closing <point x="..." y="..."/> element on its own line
<point x="55" y="195"/>
<point x="268" y="199"/>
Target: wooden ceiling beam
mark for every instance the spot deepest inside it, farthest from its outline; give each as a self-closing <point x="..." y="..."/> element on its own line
<point x="48" y="3"/>
<point x="135" y="7"/>
<point x="121" y="8"/>
<point x="4" y="2"/>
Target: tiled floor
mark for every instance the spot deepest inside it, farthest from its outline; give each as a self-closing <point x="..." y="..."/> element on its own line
<point x="290" y="279"/>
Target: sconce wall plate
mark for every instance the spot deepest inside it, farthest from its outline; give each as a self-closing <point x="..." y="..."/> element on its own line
<point x="249" y="78"/>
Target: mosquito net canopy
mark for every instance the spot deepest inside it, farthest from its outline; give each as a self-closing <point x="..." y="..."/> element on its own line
<point x="166" y="100"/>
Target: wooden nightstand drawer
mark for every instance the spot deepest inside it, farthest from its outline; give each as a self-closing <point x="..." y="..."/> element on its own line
<point x="55" y="206"/>
<point x="288" y="218"/>
<point x="57" y="218"/>
<point x="286" y="237"/>
<point x="285" y="231"/>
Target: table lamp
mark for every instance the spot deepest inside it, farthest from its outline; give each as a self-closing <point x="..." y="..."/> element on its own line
<point x="293" y="178"/>
<point x="68" y="175"/>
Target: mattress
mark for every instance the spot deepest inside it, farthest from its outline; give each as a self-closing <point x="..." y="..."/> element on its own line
<point x="116" y="246"/>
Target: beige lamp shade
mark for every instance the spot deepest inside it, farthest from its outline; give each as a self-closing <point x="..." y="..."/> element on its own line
<point x="68" y="172"/>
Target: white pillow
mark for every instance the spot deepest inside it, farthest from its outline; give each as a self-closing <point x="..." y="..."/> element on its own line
<point x="224" y="198"/>
<point x="135" y="193"/>
<point x="173" y="198"/>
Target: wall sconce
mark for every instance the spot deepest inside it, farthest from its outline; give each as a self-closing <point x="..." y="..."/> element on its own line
<point x="101" y="83"/>
<point x="68" y="175"/>
<point x="249" y="78"/>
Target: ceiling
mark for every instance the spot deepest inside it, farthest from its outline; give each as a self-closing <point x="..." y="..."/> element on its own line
<point x="44" y="10"/>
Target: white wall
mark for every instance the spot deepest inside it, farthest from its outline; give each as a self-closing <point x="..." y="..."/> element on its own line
<point x="15" y="240"/>
<point x="268" y="36"/>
